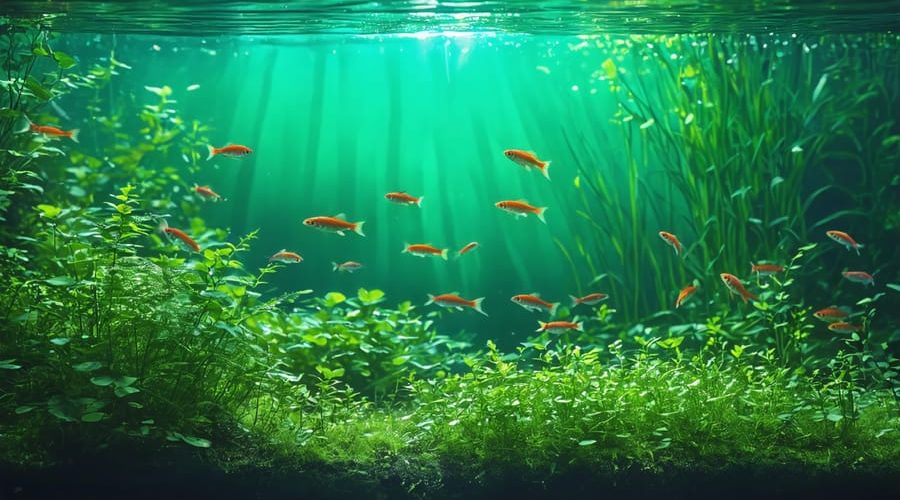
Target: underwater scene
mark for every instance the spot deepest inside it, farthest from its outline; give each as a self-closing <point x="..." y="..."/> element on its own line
<point x="429" y="249"/>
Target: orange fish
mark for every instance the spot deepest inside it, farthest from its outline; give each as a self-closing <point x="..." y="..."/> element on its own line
<point x="831" y="314"/>
<point x="207" y="193"/>
<point x="533" y="302"/>
<point x="54" y="132"/>
<point x="559" y="326"/>
<point x="522" y="208"/>
<point x="843" y="327"/>
<point x="844" y="239"/>
<point x="231" y="150"/>
<point x="766" y="268"/>
<point x="590" y="299"/>
<point x="684" y="294"/>
<point x="424" y="250"/>
<point x="181" y="235"/>
<point x="861" y="277"/>
<point x="735" y="286"/>
<point x="286" y="257"/>
<point x="335" y="224"/>
<point x="466" y="249"/>
<point x="528" y="160"/>
<point x="455" y="301"/>
<point x="348" y="267"/>
<point x="671" y="239"/>
<point x="403" y="198"/>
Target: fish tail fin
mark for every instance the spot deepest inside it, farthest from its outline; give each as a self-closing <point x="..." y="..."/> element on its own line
<point x="545" y="169"/>
<point x="405" y="248"/>
<point x="430" y="299"/>
<point x="857" y="247"/>
<point x="540" y="214"/>
<point x="476" y="304"/>
<point x="26" y="125"/>
<point x="73" y="134"/>
<point x="419" y="201"/>
<point x="444" y="254"/>
<point x="212" y="152"/>
<point x="553" y="307"/>
<point x="574" y="300"/>
<point x="579" y="326"/>
<point x="541" y="326"/>
<point x="357" y="228"/>
<point x="163" y="225"/>
<point x="334" y="266"/>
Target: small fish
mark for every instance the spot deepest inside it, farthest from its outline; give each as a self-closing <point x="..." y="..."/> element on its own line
<point x="346" y="267"/>
<point x="455" y="301"/>
<point x="402" y="198"/>
<point x="844" y="239"/>
<point x="684" y="294"/>
<point x="528" y="160"/>
<point x="590" y="299"/>
<point x="533" y="302"/>
<point x="335" y="224"/>
<point x="559" y="326"/>
<point x="671" y="239"/>
<point x="181" y="235"/>
<point x="424" y="250"/>
<point x="207" y="193"/>
<point x="766" y="269"/>
<point x="832" y="314"/>
<point x="286" y="257"/>
<point x="54" y="131"/>
<point x="522" y="208"/>
<point x="231" y="150"/>
<point x="843" y="327"/>
<point x="736" y="287"/>
<point x="861" y="277"/>
<point x="466" y="249"/>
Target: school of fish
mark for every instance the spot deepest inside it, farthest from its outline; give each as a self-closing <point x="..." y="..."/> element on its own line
<point x="837" y="318"/>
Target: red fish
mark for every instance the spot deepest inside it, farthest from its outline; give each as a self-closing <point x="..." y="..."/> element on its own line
<point x="286" y="257"/>
<point x="466" y="249"/>
<point x="181" y="235"/>
<point x="528" y="160"/>
<point x="735" y="286"/>
<point x="403" y="198"/>
<point x="424" y="250"/>
<point x="522" y="208"/>
<point x="231" y="150"/>
<point x="455" y="301"/>
<point x="832" y="314"/>
<point x="54" y="132"/>
<point x="684" y="294"/>
<point x="843" y="327"/>
<point x="589" y="299"/>
<point x="533" y="302"/>
<point x="844" y="239"/>
<point x="671" y="239"/>
<point x="349" y="266"/>
<point x="861" y="277"/>
<point x="335" y="224"/>
<point x="766" y="268"/>
<point x="559" y="326"/>
<point x="207" y="193"/>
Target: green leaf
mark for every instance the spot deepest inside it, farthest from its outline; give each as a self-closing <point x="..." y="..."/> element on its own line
<point x="60" y="281"/>
<point x="60" y="341"/>
<point x="40" y="51"/>
<point x="399" y="360"/>
<point x="64" y="60"/>
<point x="124" y="381"/>
<point x="196" y="441"/>
<point x="103" y="381"/>
<point x="94" y="416"/>
<point x="24" y="409"/>
<point x="48" y="211"/>
<point x="334" y="298"/>
<point x="587" y="442"/>
<point x="87" y="366"/>
<point x="37" y="89"/>
<point x="122" y="391"/>
<point x="893" y="286"/>
<point x="7" y="364"/>
<point x="369" y="297"/>
<point x="821" y="85"/>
